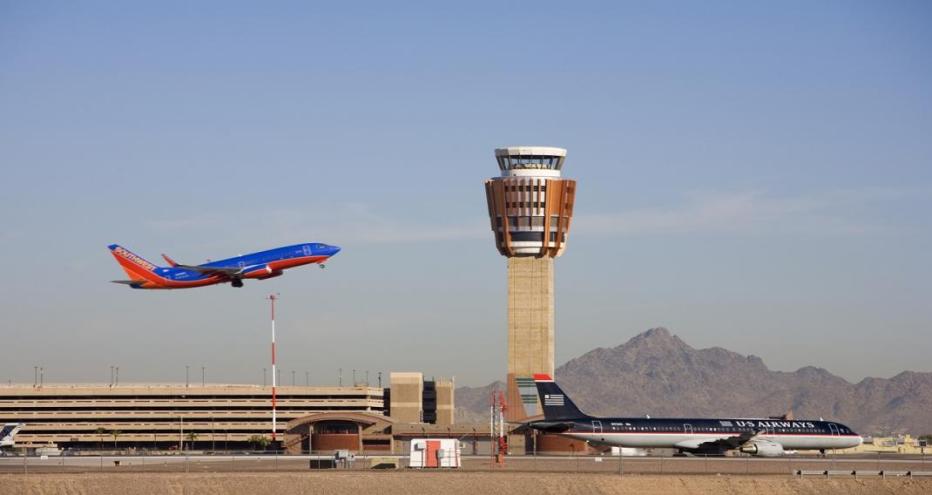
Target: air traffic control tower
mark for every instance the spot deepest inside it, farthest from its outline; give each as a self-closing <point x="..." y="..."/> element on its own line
<point x="530" y="208"/>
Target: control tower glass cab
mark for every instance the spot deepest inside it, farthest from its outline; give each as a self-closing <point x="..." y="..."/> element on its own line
<point x="530" y="205"/>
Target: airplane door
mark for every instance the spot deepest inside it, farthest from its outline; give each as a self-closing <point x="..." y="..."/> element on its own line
<point x="832" y="427"/>
<point x="242" y="264"/>
<point x="688" y="428"/>
<point x="596" y="427"/>
<point x="306" y="249"/>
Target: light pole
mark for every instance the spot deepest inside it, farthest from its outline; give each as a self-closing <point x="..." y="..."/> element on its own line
<point x="117" y="379"/>
<point x="187" y="376"/>
<point x="275" y="377"/>
<point x="203" y="374"/>
<point x="264" y="379"/>
<point x="111" y="375"/>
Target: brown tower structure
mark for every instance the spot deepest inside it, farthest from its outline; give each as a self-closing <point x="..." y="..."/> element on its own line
<point x="530" y="209"/>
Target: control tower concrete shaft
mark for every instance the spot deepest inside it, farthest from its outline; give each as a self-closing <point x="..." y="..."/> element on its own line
<point x="530" y="209"/>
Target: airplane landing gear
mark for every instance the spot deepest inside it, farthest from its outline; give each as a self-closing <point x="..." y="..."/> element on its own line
<point x="237" y="282"/>
<point x="322" y="266"/>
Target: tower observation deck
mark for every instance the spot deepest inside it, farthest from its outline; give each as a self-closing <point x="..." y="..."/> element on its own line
<point x="530" y="210"/>
<point x="530" y="205"/>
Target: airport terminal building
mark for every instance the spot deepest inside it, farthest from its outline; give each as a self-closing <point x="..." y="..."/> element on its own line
<point x="228" y="417"/>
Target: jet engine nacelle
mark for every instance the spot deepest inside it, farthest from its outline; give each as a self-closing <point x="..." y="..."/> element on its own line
<point x="261" y="272"/>
<point x="273" y="273"/>
<point x="764" y="449"/>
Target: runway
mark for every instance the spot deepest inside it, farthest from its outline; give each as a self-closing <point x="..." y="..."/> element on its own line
<point x="566" y="464"/>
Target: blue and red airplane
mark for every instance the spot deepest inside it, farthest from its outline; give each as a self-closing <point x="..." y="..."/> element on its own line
<point x="260" y="266"/>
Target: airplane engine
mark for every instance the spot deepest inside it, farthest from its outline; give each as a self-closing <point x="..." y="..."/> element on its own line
<point x="262" y="272"/>
<point x="274" y="273"/>
<point x="764" y="449"/>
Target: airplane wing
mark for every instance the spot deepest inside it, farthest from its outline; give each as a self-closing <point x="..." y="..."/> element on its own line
<point x="128" y="282"/>
<point x="728" y="443"/>
<point x="228" y="272"/>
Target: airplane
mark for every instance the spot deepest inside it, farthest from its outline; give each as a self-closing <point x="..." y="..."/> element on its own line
<point x="705" y="436"/>
<point x="7" y="433"/>
<point x="260" y="266"/>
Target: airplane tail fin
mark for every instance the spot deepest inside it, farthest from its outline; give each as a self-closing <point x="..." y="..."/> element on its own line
<point x="135" y="266"/>
<point x="557" y="405"/>
<point x="7" y="433"/>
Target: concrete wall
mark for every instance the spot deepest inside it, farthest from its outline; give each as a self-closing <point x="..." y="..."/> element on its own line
<point x="445" y="402"/>
<point x="530" y="324"/>
<point x="407" y="392"/>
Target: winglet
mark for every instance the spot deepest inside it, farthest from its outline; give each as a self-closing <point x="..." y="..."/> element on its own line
<point x="169" y="260"/>
<point x="541" y="377"/>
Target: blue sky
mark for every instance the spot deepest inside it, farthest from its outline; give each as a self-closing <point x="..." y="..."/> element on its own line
<point x="752" y="176"/>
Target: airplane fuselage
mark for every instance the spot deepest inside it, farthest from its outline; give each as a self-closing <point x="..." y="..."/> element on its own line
<point x="767" y="437"/>
<point x="690" y="433"/>
<point x="259" y="265"/>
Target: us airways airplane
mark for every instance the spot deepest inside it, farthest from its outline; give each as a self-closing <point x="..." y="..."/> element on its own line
<point x="260" y="266"/>
<point x="763" y="437"/>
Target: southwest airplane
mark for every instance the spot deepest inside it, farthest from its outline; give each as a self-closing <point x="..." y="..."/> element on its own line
<point x="762" y="437"/>
<point x="260" y="266"/>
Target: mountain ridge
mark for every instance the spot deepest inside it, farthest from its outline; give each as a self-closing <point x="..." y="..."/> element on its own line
<point x="657" y="373"/>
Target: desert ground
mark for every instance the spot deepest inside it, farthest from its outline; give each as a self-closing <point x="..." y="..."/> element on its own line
<point x="542" y="476"/>
<point x="449" y="482"/>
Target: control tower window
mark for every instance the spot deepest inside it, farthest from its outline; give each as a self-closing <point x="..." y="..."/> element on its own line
<point x="530" y="162"/>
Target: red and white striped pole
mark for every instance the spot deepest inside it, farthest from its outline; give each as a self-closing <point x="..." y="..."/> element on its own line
<point x="272" y="298"/>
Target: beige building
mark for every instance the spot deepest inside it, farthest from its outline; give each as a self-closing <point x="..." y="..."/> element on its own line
<point x="415" y="400"/>
<point x="407" y="397"/>
<point x="903" y="444"/>
<point x="218" y="417"/>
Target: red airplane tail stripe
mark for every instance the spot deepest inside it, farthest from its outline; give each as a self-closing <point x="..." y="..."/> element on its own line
<point x="134" y="272"/>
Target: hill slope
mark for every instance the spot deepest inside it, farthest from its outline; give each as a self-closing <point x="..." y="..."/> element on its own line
<point x="656" y="373"/>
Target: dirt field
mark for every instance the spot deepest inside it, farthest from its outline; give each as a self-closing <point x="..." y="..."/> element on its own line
<point x="452" y="483"/>
<point x="636" y="465"/>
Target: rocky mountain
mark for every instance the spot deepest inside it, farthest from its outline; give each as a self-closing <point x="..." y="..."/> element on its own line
<point x="657" y="373"/>
<point x="472" y="403"/>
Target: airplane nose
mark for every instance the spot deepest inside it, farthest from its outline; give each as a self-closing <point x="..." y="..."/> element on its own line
<point x="334" y="250"/>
